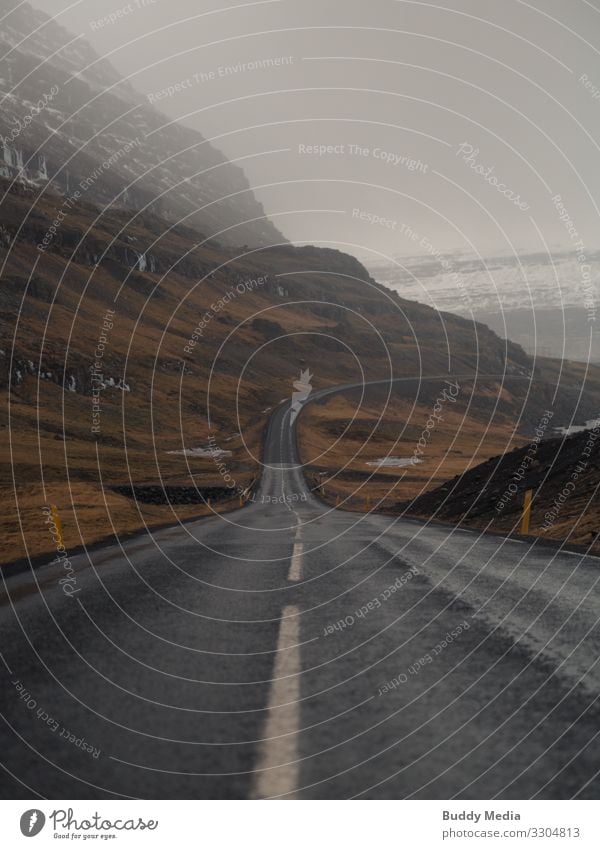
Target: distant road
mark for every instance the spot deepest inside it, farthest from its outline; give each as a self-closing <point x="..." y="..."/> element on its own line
<point x="293" y="650"/>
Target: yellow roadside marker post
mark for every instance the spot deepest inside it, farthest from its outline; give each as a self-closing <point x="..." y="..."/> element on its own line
<point x="526" y="518"/>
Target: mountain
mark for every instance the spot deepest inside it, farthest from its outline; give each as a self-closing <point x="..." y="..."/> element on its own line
<point x="141" y="352"/>
<point x="70" y="124"/>
<point x="119" y="374"/>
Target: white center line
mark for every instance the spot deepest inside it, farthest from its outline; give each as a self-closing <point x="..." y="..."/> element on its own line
<point x="295" y="573"/>
<point x="277" y="768"/>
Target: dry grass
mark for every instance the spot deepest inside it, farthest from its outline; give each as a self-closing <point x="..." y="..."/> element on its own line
<point x="55" y="319"/>
<point x="329" y="444"/>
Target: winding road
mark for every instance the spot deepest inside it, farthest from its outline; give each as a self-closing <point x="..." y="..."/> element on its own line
<point x="292" y="650"/>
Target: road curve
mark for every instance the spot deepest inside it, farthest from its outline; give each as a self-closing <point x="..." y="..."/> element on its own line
<point x="291" y="650"/>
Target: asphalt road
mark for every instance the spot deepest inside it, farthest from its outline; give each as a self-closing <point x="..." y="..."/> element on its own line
<point x="292" y="650"/>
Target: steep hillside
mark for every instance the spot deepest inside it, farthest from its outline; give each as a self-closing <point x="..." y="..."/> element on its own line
<point x="140" y="358"/>
<point x="563" y="473"/>
<point x="73" y="129"/>
<point x="163" y="378"/>
<point x="385" y="446"/>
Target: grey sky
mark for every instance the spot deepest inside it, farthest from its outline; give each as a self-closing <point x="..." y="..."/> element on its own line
<point x="402" y="80"/>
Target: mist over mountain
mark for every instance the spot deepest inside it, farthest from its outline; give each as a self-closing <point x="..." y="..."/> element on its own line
<point x="255" y="484"/>
<point x="109" y="210"/>
<point x="70" y="124"/>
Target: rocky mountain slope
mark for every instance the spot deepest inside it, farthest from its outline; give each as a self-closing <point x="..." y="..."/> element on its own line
<point x="118" y="376"/>
<point x="70" y="124"/>
<point x="139" y="356"/>
<point x="563" y="474"/>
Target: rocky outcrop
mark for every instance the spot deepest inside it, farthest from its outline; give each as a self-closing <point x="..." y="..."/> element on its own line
<point x="71" y="126"/>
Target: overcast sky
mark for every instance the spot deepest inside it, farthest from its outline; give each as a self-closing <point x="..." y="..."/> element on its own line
<point x="516" y="84"/>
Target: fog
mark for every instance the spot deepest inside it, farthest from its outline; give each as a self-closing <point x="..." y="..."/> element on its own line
<point x="393" y="127"/>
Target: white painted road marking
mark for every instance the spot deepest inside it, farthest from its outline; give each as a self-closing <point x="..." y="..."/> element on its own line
<point x="295" y="573"/>
<point x="277" y="768"/>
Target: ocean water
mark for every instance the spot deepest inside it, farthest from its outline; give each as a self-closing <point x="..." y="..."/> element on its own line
<point x="545" y="303"/>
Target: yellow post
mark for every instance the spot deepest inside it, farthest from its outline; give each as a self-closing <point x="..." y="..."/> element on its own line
<point x="526" y="512"/>
<point x="337" y="501"/>
<point x="241" y="500"/>
<point x="58" y="524"/>
<point x="367" y="503"/>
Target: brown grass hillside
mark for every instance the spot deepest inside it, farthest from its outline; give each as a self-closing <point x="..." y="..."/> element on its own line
<point x="315" y="308"/>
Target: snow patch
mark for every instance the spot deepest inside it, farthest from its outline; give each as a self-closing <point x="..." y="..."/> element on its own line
<point x="394" y="462"/>
<point x="208" y="453"/>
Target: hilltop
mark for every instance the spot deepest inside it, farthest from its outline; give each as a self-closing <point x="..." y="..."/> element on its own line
<point x="146" y="317"/>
